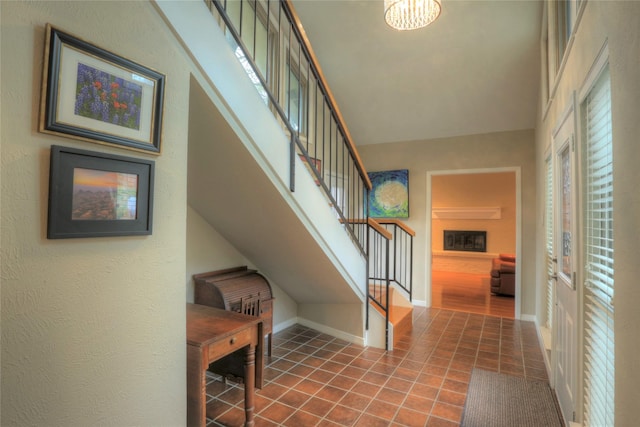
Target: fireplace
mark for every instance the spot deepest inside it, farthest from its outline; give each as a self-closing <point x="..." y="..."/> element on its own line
<point x="470" y="241"/>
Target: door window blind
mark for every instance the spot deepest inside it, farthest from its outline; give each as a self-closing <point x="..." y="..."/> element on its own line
<point x="598" y="250"/>
<point x="549" y="239"/>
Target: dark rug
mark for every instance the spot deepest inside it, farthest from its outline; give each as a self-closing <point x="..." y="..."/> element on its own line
<point x="499" y="400"/>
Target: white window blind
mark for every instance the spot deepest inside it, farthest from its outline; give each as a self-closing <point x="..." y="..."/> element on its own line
<point x="598" y="250"/>
<point x="549" y="238"/>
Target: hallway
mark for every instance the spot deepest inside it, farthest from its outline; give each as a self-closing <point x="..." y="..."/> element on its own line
<point x="469" y="293"/>
<point x="314" y="379"/>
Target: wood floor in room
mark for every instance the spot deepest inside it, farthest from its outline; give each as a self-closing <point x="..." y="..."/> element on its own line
<point x="470" y="293"/>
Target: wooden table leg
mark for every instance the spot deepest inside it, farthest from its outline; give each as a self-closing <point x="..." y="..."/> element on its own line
<point x="196" y="387"/>
<point x="249" y="384"/>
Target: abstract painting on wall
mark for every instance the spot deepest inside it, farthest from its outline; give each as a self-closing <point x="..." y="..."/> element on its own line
<point x="389" y="196"/>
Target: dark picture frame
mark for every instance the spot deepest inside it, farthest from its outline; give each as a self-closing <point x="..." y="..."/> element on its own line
<point x="95" y="194"/>
<point x="469" y="241"/>
<point x="92" y="94"/>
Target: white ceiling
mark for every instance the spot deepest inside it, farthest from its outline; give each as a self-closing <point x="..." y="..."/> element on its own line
<point x="474" y="70"/>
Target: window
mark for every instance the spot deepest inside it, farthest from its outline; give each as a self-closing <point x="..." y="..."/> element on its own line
<point x="563" y="27"/>
<point x="259" y="38"/>
<point x="296" y="98"/>
<point x="598" y="254"/>
<point x="295" y="84"/>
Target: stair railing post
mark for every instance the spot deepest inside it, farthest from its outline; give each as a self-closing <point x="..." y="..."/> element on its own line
<point x="386" y="328"/>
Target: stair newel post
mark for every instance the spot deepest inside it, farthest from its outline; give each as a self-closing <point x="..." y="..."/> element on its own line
<point x="386" y="328"/>
<point x="410" y="278"/>
<point x="368" y="252"/>
<point x="292" y="163"/>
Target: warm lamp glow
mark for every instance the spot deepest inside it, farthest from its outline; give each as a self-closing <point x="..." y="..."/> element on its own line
<point x="411" y="14"/>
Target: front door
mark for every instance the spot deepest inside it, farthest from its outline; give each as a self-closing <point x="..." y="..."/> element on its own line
<point x="564" y="357"/>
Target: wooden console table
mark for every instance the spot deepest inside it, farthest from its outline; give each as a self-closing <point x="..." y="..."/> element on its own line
<point x="213" y="333"/>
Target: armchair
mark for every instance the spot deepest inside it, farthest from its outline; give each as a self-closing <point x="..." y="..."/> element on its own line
<point x="503" y="275"/>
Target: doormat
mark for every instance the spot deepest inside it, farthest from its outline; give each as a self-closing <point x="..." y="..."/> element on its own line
<point x="499" y="400"/>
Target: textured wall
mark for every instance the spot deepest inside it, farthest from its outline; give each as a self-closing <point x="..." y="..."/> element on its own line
<point x="93" y="330"/>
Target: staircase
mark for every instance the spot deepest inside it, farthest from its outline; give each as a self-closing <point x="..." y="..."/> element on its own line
<point x="251" y="147"/>
<point x="390" y="254"/>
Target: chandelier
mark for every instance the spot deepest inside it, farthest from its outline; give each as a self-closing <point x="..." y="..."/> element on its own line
<point x="411" y="14"/>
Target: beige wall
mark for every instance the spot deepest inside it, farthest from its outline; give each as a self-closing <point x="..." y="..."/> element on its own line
<point x="93" y="330"/>
<point x="617" y="23"/>
<point x="477" y="191"/>
<point x="207" y="250"/>
<point x="465" y="153"/>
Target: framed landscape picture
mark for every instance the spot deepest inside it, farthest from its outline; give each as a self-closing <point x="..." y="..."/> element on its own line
<point x="97" y="195"/>
<point x="389" y="195"/>
<point x="92" y="94"/>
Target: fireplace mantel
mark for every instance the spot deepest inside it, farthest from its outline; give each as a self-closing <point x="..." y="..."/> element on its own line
<point x="467" y="213"/>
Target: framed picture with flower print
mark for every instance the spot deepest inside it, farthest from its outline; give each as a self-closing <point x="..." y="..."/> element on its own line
<point x="92" y="94"/>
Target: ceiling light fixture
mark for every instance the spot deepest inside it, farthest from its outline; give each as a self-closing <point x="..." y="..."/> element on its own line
<point x="411" y="14"/>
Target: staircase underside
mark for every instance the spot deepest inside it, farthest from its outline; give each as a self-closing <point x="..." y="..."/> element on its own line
<point x="232" y="192"/>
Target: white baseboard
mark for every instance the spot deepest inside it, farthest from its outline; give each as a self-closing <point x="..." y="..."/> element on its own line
<point x="529" y="318"/>
<point x="284" y="325"/>
<point x="331" y="331"/>
<point x="419" y="303"/>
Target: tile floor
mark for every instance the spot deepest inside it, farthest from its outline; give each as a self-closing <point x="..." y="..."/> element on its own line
<point x="313" y="379"/>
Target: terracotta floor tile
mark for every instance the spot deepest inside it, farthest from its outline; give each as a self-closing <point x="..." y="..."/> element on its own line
<point x="264" y="422"/>
<point x="382" y="409"/>
<point x="287" y="380"/>
<point x="454" y="385"/>
<point x="355" y="401"/>
<point x="317" y="406"/>
<point x="301" y="370"/>
<point x="333" y="394"/>
<point x="451" y="397"/>
<point x="277" y="412"/>
<point x="309" y="386"/>
<point x="313" y="379"/>
<point x="368" y="420"/>
<point x="233" y="417"/>
<point x="272" y="391"/>
<point x="399" y="384"/>
<point x="302" y="418"/>
<point x="441" y="422"/>
<point x="216" y="407"/>
<point x="425" y="391"/>
<point x="446" y="411"/>
<point x="343" y="382"/>
<point x="294" y="398"/>
<point x="366" y="389"/>
<point x="408" y="417"/>
<point x="391" y="396"/>
<point x="321" y="376"/>
<point x="418" y="403"/>
<point x="353" y="372"/>
<point x="343" y="415"/>
<point x="375" y="378"/>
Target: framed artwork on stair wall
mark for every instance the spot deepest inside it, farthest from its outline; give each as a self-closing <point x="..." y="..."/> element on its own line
<point x="389" y="195"/>
<point x="92" y="94"/>
<point x="95" y="194"/>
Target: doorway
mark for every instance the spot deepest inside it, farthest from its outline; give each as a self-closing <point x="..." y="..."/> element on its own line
<point x="565" y="316"/>
<point x="485" y="204"/>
